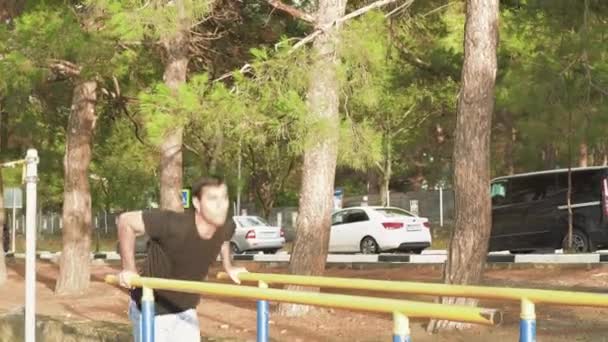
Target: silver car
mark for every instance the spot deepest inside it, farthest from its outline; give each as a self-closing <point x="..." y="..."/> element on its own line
<point x="253" y="233"/>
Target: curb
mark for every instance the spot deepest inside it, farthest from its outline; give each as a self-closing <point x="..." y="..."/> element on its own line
<point x="593" y="258"/>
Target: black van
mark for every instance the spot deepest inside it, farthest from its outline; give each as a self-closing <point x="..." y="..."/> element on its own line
<point x="530" y="212"/>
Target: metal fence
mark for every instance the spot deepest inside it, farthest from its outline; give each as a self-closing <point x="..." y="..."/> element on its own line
<point x="48" y="224"/>
<point x="436" y="205"/>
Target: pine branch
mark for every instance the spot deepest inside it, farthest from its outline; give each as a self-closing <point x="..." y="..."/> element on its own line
<point x="294" y="12"/>
<point x="317" y="32"/>
<point x="191" y="149"/>
<point x="63" y="67"/>
<point x="347" y="17"/>
<point x="135" y="124"/>
<point x="246" y="68"/>
<point x="411" y="58"/>
<point x="406" y="5"/>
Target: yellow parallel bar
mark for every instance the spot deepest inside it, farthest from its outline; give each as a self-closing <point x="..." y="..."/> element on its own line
<point x="409" y="308"/>
<point x="432" y="289"/>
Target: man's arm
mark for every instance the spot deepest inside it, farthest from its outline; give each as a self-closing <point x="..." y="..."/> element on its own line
<point x="130" y="225"/>
<point x="225" y="254"/>
<point x="231" y="270"/>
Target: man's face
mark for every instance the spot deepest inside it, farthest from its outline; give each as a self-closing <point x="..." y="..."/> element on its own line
<point x="213" y="205"/>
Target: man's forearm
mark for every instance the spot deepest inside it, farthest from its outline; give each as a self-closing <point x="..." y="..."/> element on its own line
<point x="225" y="254"/>
<point x="126" y="239"/>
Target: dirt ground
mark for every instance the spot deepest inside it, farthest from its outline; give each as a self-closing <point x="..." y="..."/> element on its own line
<point x="234" y="320"/>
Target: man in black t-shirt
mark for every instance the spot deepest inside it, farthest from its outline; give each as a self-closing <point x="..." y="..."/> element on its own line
<point x="182" y="246"/>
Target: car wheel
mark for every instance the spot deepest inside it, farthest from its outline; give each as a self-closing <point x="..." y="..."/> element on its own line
<point x="369" y="246"/>
<point x="235" y="248"/>
<point x="580" y="242"/>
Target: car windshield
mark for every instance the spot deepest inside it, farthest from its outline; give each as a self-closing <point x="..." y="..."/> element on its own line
<point x="250" y="221"/>
<point x="393" y="212"/>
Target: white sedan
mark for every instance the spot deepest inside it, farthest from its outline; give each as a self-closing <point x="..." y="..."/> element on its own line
<point x="371" y="230"/>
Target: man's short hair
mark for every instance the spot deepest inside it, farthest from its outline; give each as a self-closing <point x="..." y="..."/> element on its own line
<point x="201" y="183"/>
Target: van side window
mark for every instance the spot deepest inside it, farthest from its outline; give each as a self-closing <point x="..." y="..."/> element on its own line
<point x="583" y="183"/>
<point x="529" y="189"/>
<point x="521" y="190"/>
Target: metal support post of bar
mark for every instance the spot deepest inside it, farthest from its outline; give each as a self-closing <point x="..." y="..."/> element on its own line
<point x="527" y="326"/>
<point x="401" y="328"/>
<point x="31" y="178"/>
<point x="147" y="315"/>
<point x="263" y="316"/>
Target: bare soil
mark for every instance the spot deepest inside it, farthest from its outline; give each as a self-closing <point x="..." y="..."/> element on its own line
<point x="234" y="320"/>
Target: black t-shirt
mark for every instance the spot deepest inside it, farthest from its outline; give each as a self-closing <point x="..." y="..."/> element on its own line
<point x="176" y="251"/>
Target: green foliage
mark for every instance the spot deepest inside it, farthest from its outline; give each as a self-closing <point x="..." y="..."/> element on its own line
<point x="125" y="180"/>
<point x="399" y="82"/>
<point x="135" y="20"/>
<point x="553" y="69"/>
<point x="395" y="101"/>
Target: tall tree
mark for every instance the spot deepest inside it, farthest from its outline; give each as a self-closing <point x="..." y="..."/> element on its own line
<point x="3" y="275"/>
<point x="320" y="155"/>
<point x="170" y="23"/>
<point x="39" y="38"/>
<point x="469" y="242"/>
<point x="74" y="270"/>
<point x="176" y="45"/>
<point x="8" y="10"/>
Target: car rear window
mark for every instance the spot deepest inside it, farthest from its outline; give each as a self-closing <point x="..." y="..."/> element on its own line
<point x="251" y="221"/>
<point x="394" y="213"/>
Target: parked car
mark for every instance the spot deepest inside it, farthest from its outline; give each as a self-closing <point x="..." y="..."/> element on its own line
<point x="530" y="211"/>
<point x="371" y="230"/>
<point x="253" y="233"/>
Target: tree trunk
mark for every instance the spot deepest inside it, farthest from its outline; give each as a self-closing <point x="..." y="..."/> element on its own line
<point x="74" y="272"/>
<point x="510" y="139"/>
<point x="171" y="158"/>
<point x="10" y="9"/>
<point x="319" y="170"/>
<point x="550" y="156"/>
<point x="3" y="275"/>
<point x="266" y="195"/>
<point x="384" y="194"/>
<point x="509" y="154"/>
<point x="3" y="130"/>
<point x="469" y="244"/>
<point x="216" y="155"/>
<point x="416" y="180"/>
<point x="387" y="172"/>
<point x="373" y="182"/>
<point x="583" y="156"/>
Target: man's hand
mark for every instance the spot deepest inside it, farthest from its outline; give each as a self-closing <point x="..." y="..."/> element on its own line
<point x="125" y="277"/>
<point x="233" y="273"/>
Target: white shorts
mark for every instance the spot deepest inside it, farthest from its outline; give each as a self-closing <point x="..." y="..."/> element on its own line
<point x="182" y="326"/>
